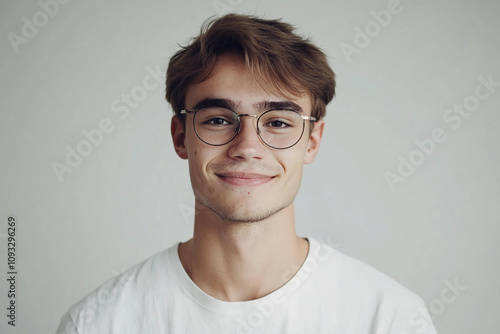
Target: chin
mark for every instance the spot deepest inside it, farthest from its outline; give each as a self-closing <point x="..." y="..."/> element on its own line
<point x="244" y="214"/>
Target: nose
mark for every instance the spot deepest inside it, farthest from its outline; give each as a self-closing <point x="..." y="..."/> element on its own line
<point x="247" y="144"/>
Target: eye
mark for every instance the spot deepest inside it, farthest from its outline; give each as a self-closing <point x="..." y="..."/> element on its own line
<point x="280" y="120"/>
<point x="277" y="124"/>
<point x="217" y="121"/>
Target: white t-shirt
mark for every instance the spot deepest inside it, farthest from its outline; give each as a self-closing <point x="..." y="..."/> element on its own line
<point x="331" y="293"/>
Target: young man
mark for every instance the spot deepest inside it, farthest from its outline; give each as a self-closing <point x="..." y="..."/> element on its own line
<point x="249" y="97"/>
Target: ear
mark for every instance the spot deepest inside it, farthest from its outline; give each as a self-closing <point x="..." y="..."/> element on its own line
<point x="178" y="137"/>
<point x="314" y="141"/>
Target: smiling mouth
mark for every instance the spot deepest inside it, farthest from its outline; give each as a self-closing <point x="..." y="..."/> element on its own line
<point x="244" y="179"/>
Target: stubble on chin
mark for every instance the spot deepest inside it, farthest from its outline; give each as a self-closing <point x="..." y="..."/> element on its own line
<point x="242" y="215"/>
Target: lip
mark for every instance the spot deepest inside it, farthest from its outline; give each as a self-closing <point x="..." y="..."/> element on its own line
<point x="244" y="179"/>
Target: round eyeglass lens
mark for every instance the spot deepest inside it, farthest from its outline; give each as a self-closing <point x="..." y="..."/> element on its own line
<point x="281" y="128"/>
<point x="216" y="125"/>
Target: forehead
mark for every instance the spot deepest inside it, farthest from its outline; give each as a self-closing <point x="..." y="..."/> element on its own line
<point x="230" y="79"/>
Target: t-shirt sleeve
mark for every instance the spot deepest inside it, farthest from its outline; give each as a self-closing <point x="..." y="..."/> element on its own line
<point x="67" y="326"/>
<point x="413" y="320"/>
<point x="377" y="304"/>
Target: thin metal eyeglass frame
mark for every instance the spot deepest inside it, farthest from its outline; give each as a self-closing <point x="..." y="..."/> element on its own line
<point x="237" y="129"/>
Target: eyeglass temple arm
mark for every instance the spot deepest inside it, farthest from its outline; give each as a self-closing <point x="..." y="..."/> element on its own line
<point x="310" y="118"/>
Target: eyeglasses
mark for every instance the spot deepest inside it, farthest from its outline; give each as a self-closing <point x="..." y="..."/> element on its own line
<point x="278" y="129"/>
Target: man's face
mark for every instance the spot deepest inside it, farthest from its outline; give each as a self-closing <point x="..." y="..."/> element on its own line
<point x="244" y="180"/>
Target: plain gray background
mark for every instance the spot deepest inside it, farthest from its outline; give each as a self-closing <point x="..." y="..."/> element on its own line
<point x="130" y="196"/>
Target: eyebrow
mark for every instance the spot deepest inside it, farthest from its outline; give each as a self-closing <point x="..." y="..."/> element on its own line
<point x="272" y="105"/>
<point x="213" y="102"/>
<point x="259" y="106"/>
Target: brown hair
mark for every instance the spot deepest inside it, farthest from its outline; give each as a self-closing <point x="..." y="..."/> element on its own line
<point x="278" y="59"/>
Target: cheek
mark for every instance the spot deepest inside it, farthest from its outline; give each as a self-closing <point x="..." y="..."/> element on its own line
<point x="293" y="164"/>
<point x="196" y="161"/>
<point x="194" y="146"/>
<point x="199" y="160"/>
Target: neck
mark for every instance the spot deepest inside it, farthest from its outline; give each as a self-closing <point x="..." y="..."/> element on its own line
<point x="242" y="261"/>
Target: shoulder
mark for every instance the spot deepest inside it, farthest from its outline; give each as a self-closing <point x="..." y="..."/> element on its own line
<point x="124" y="293"/>
<point x="355" y="274"/>
<point x="367" y="292"/>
